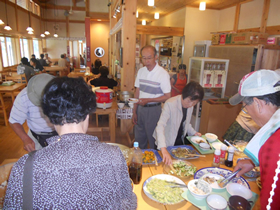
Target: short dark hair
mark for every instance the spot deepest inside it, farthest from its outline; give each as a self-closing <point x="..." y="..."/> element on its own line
<point x="149" y="46"/>
<point x="67" y="100"/>
<point x="62" y="55"/>
<point x="104" y="71"/>
<point x="273" y="98"/>
<point x="33" y="55"/>
<point x="33" y="60"/>
<point x="193" y="90"/>
<point x="42" y="56"/>
<point x="24" y="61"/>
<point x="182" y="66"/>
<point x="97" y="63"/>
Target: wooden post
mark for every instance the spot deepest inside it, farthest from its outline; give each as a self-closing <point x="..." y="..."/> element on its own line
<point x="259" y="57"/>
<point x="129" y="45"/>
<point x="266" y="5"/>
<point x="236" y="20"/>
<point x="87" y="30"/>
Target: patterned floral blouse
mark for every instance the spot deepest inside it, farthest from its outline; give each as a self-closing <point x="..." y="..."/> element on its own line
<point x="75" y="172"/>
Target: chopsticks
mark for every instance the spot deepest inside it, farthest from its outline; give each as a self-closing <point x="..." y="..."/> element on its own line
<point x="195" y="155"/>
<point x="176" y="184"/>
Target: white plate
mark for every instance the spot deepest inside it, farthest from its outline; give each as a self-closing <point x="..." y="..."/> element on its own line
<point x="133" y="100"/>
<point x="217" y="145"/>
<point x="195" y="139"/>
<point x="165" y="177"/>
<point x="215" y="184"/>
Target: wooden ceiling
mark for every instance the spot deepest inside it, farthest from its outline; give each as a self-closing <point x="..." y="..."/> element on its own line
<point x="165" y="7"/>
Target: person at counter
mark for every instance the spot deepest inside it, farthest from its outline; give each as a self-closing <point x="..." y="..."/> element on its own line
<point x="75" y="171"/>
<point x="103" y="80"/>
<point x="97" y="65"/>
<point x="259" y="91"/>
<point x="152" y="87"/>
<point x="174" y="123"/>
<point x="179" y="81"/>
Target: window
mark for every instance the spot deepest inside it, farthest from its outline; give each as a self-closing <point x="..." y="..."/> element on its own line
<point x="24" y="52"/>
<point x="10" y="51"/>
<point x="36" y="48"/>
<point x="22" y="3"/>
<point x="29" y="5"/>
<point x="4" y="52"/>
<point x="8" y="48"/>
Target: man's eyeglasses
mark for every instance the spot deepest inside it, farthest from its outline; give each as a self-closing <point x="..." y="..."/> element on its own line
<point x="243" y="110"/>
<point x="149" y="58"/>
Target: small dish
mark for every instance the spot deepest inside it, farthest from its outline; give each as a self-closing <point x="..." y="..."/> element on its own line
<point x="198" y="140"/>
<point x="238" y="202"/>
<point x="217" y="145"/>
<point x="238" y="189"/>
<point x="211" y="137"/>
<point x="133" y="100"/>
<point x="130" y="104"/>
<point x="216" y="202"/>
<point x="198" y="193"/>
<point x="120" y="105"/>
<point x="204" y="146"/>
<point x="212" y="180"/>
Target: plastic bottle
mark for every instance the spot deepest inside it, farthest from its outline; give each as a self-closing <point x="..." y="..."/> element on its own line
<point x="223" y="154"/>
<point x="229" y="160"/>
<point x="135" y="163"/>
<point x="216" y="160"/>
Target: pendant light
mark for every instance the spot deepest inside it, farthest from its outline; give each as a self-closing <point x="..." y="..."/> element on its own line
<point x="55" y="35"/>
<point x="202" y="6"/>
<point x="137" y="14"/>
<point x="143" y="22"/>
<point x="46" y="31"/>
<point x="7" y="27"/>
<point x="42" y="35"/>
<point x="42" y="15"/>
<point x="1" y="22"/>
<point x="29" y="28"/>
<point x="156" y="15"/>
<point x="151" y="3"/>
<point x="55" y="14"/>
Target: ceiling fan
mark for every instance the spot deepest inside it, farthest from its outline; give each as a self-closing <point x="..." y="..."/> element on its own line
<point x="69" y="12"/>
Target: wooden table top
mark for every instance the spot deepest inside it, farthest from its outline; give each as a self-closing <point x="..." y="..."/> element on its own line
<point x="149" y="170"/>
<point x="6" y="88"/>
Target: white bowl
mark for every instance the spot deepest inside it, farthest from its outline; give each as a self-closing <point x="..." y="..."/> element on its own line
<point x="196" y="139"/>
<point x="130" y="104"/>
<point x="217" y="145"/>
<point x="216" y="202"/>
<point x="192" y="189"/>
<point x="133" y="100"/>
<point x="211" y="137"/>
<point x="120" y="105"/>
<point x="204" y="146"/>
<point x="238" y="189"/>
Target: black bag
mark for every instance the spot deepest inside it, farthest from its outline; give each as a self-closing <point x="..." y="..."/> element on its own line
<point x="42" y="138"/>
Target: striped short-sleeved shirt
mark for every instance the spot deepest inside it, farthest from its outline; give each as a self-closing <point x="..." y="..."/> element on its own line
<point x="152" y="84"/>
<point x="23" y="109"/>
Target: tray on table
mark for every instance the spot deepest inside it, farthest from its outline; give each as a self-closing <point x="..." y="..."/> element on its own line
<point x="159" y="159"/>
<point x="170" y="148"/>
<point x="209" y="151"/>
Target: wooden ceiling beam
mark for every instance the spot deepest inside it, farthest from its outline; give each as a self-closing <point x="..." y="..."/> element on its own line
<point x="236" y="19"/>
<point x="50" y="6"/>
<point x="160" y="30"/>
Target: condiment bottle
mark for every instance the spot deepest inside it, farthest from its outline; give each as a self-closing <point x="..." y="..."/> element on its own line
<point x="135" y="163"/>
<point x="229" y="160"/>
<point x="216" y="160"/>
<point x="223" y="154"/>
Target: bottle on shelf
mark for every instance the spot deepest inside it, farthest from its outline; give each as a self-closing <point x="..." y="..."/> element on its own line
<point x="135" y="163"/>
<point x="216" y="160"/>
<point x="229" y="160"/>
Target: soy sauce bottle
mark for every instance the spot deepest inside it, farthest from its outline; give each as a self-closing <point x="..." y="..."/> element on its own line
<point x="229" y="160"/>
<point x="135" y="163"/>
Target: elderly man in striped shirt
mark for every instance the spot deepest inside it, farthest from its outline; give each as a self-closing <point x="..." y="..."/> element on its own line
<point x="152" y="88"/>
<point x="27" y="108"/>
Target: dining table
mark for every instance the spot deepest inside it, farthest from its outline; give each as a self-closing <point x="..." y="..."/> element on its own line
<point x="144" y="202"/>
<point x="11" y="89"/>
<point x="54" y="69"/>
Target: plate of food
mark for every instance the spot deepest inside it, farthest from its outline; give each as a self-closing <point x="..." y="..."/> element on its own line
<point x="213" y="180"/>
<point x="157" y="188"/>
<point x="181" y="152"/>
<point x="221" y="172"/>
<point x="181" y="169"/>
<point x="198" y="140"/>
<point x="149" y="156"/>
<point x="133" y="100"/>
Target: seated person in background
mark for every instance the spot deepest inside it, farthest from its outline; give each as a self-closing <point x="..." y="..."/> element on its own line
<point x="244" y="128"/>
<point x="82" y="61"/>
<point x="62" y="62"/>
<point x="75" y="171"/>
<point x="259" y="91"/>
<point x="174" y="122"/>
<point x="27" y="108"/>
<point x="48" y="59"/>
<point x="25" y="68"/>
<point x="67" y="59"/>
<point x="103" y="80"/>
<point x="36" y="65"/>
<point x="33" y="56"/>
<point x="97" y="65"/>
<point x="179" y="80"/>
<point x="43" y="61"/>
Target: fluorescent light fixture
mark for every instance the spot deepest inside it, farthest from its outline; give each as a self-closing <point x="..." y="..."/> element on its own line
<point x="1" y="22"/>
<point x="30" y="32"/>
<point x="156" y="15"/>
<point x="55" y="35"/>
<point x="7" y="27"/>
<point x="202" y="6"/>
<point x="29" y="28"/>
<point x="151" y="3"/>
<point x="47" y="32"/>
<point x="143" y="22"/>
<point x="42" y="35"/>
<point x="98" y="20"/>
<point x="137" y="14"/>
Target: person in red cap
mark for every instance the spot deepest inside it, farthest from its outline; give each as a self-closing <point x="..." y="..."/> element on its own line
<point x="259" y="91"/>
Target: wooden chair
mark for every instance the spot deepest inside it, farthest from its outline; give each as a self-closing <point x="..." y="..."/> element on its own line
<point x="5" y="106"/>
